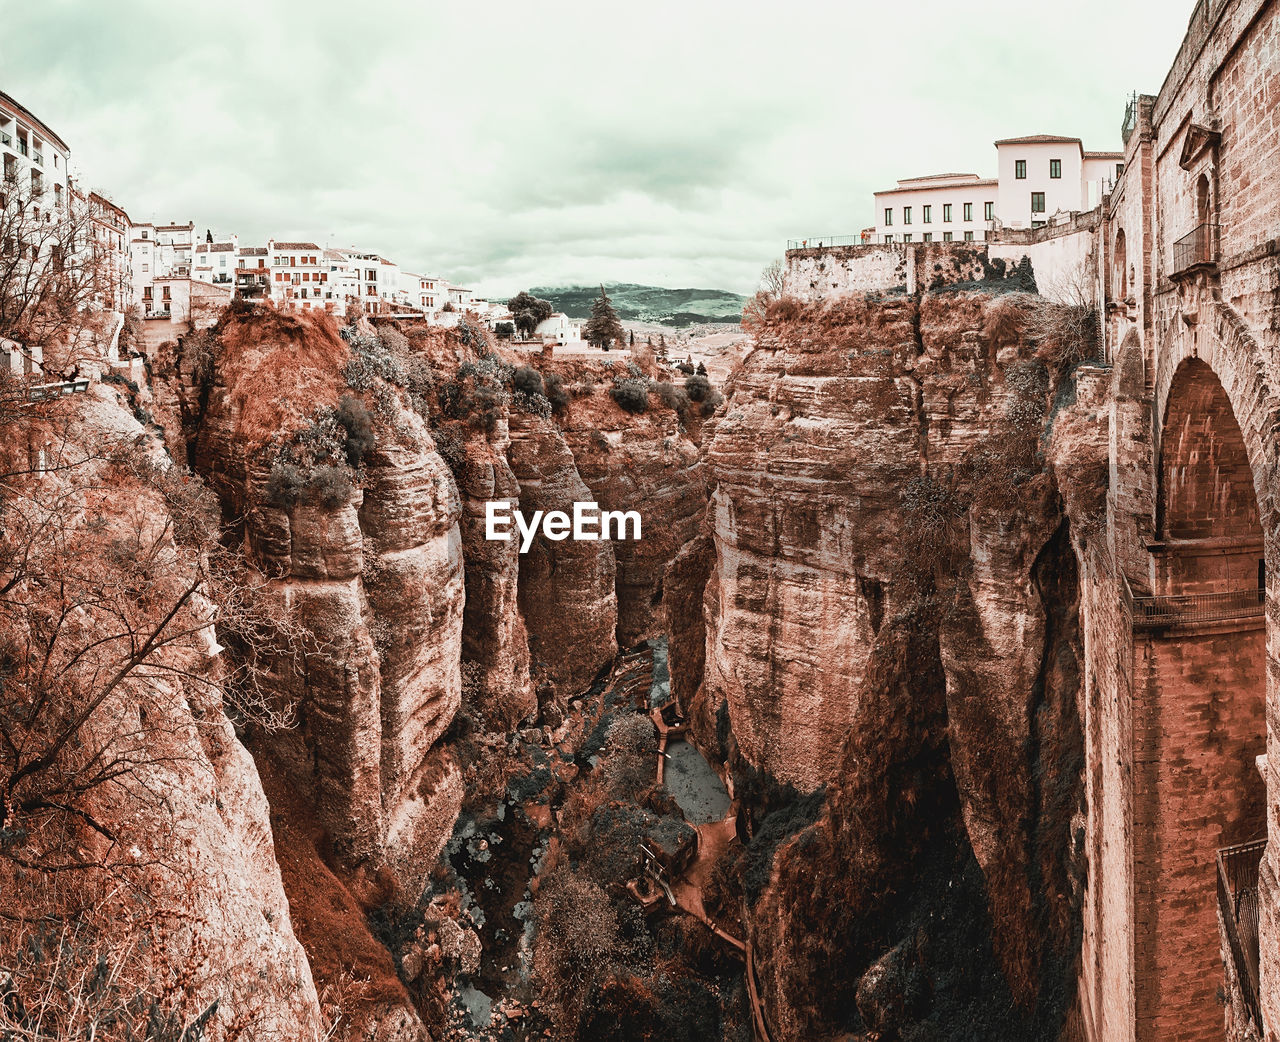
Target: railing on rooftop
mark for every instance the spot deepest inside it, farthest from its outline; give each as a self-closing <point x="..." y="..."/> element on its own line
<point x="1177" y="609"/>
<point x="1130" y="123"/>
<point x="823" y="241"/>
<point x="1200" y="247"/>
<point x="1238" y="903"/>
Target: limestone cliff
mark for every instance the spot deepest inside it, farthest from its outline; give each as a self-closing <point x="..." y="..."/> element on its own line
<point x="891" y="613"/>
<point x="374" y="573"/>
<point x="158" y="895"/>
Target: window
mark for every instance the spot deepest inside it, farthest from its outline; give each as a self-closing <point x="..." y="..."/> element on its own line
<point x="968" y="236"/>
<point x="1037" y="202"/>
<point x="906" y="215"/>
<point x="928" y="214"/>
<point x="968" y="211"/>
<point x="989" y="211"/>
<point x="1055" y="168"/>
<point x="1020" y="169"/>
<point x="1119" y="169"/>
<point x="888" y="238"/>
<point x="928" y="236"/>
<point x="946" y="213"/>
<point x="888" y="217"/>
<point x="907" y="237"/>
<point x="947" y="236"/>
<point x="164" y="292"/>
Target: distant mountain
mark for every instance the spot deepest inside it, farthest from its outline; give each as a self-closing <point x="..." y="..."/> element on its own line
<point x="633" y="303"/>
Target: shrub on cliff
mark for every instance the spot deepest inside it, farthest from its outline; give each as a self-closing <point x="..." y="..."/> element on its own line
<point x="556" y="393"/>
<point x="527" y="380"/>
<point x="327" y="485"/>
<point x="533" y="404"/>
<point x="356" y="421"/>
<point x="673" y="397"/>
<point x="697" y="387"/>
<point x="631" y="394"/>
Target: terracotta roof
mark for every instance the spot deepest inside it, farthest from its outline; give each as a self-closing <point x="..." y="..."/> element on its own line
<point x="1104" y="155"/>
<point x="296" y="246"/>
<point x="253" y="251"/>
<point x="1039" y="139"/>
<point x="985" y="183"/>
<point x="174" y="227"/>
<point x="214" y="247"/>
<point x="936" y="177"/>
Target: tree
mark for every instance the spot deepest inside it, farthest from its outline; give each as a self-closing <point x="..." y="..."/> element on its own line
<point x="528" y="311"/>
<point x="603" y="328"/>
<point x="631" y="342"/>
<point x="97" y="608"/>
<point x="54" y="275"/>
<point x="771" y="287"/>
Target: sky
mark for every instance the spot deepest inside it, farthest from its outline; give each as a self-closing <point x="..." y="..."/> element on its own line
<point x="505" y="145"/>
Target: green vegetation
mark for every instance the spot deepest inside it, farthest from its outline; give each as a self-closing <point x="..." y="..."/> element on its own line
<point x="637" y="303"/>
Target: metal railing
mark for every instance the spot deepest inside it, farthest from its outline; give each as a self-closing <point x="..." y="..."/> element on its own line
<point x="40" y="392"/>
<point x="22" y="147"/>
<point x="1200" y="247"/>
<point x="1173" y="609"/>
<point x="1130" y="123"/>
<point x="823" y="241"/>
<point x="38" y="158"/>
<point x="6" y="139"/>
<point x="1238" y="901"/>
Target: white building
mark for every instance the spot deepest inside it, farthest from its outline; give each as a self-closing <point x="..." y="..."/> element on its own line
<point x="215" y="262"/>
<point x="1044" y="175"/>
<point x="112" y="232"/>
<point x="158" y="251"/>
<point x="939" y="208"/>
<point x="1037" y="177"/>
<point x="559" y="329"/>
<point x="300" y="276"/>
<point x="35" y="158"/>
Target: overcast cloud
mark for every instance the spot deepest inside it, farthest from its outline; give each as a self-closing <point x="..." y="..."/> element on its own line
<point x="506" y="144"/>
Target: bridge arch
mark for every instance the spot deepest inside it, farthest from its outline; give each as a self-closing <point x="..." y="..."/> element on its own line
<point x="1204" y="676"/>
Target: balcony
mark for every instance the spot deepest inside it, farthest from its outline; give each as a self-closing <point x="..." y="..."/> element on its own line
<point x="22" y="147"/>
<point x="6" y="139"/>
<point x="1199" y="249"/>
<point x="1238" y="907"/>
<point x="38" y="158"/>
<point x="1182" y="609"/>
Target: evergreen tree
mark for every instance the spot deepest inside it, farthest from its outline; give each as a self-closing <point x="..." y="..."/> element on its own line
<point x="603" y="328"/>
<point x="632" y="341"/>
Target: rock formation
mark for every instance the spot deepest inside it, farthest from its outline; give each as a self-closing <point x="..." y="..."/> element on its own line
<point x="891" y="613"/>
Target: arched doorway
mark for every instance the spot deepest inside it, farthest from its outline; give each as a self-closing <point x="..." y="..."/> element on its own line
<point x="1199" y="706"/>
<point x="1202" y="200"/>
